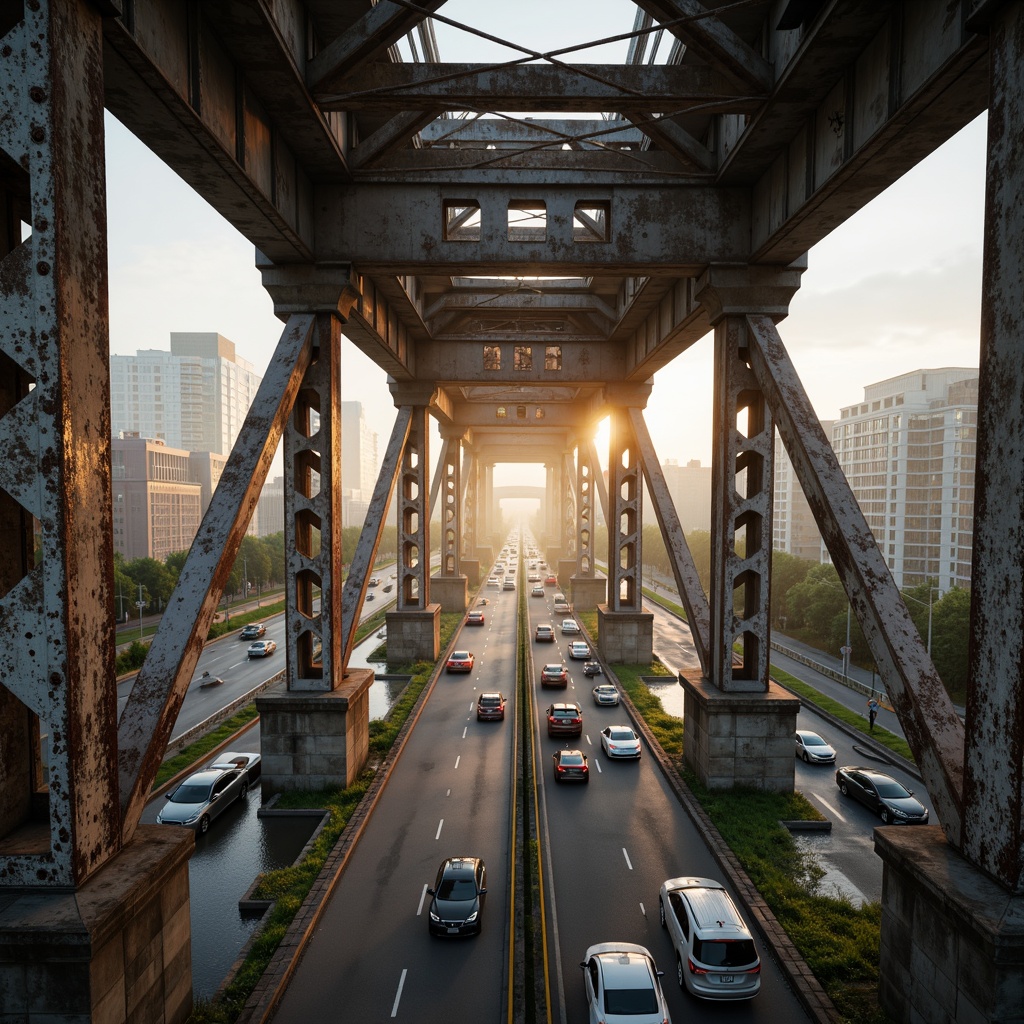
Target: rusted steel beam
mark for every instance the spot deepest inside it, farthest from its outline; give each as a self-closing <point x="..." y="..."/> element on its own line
<point x="365" y="553"/>
<point x="156" y="697"/>
<point x="414" y="516"/>
<point x="602" y="487"/>
<point x="932" y="726"/>
<point x="448" y="469"/>
<point x="625" y="527"/>
<point x="57" y="657"/>
<point x="698" y="613"/>
<point x="994" y="755"/>
<point x="585" y="511"/>
<point x="312" y="508"/>
<point x="568" y="505"/>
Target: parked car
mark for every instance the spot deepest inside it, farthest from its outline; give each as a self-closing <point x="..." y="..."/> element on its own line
<point x="544" y="633"/>
<point x="715" y="953"/>
<point x="458" y="897"/>
<point x="475" y="618"/>
<point x="620" y="741"/>
<point x="813" y="749"/>
<point x="571" y="766"/>
<point x="592" y="668"/>
<point x="606" y="694"/>
<point x="570" y="627"/>
<point x="261" y="649"/>
<point x="461" y="661"/>
<point x="579" y="650"/>
<point x="622" y="985"/>
<point x="253" y="631"/>
<point x="203" y="796"/>
<point x="554" y="675"/>
<point x="251" y="761"/>
<point x="881" y="793"/>
<point x="490" y="707"/>
<point x="564" y="720"/>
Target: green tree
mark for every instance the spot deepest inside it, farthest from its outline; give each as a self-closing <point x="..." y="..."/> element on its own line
<point x="951" y="623"/>
<point x="175" y="562"/>
<point x="814" y="604"/>
<point x="787" y="571"/>
<point x="157" y="582"/>
<point x="126" y="590"/>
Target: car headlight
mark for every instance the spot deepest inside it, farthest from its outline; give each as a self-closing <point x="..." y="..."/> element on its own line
<point x="193" y="817"/>
<point x="472" y="917"/>
<point x="898" y="812"/>
<point x="434" y="917"/>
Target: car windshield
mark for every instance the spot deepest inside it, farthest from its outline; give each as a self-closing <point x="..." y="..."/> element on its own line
<point x="891" y="789"/>
<point x="193" y="793"/>
<point x="813" y="740"/>
<point x="630" y="1000"/>
<point x="456" y="889"/>
<point x="620" y="734"/>
<point x="724" y="952"/>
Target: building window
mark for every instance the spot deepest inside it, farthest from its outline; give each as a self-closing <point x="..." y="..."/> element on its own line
<point x="492" y="357"/>
<point x="553" y="357"/>
<point x="522" y="357"/>
<point x="461" y="220"/>
<point x="527" y="220"/>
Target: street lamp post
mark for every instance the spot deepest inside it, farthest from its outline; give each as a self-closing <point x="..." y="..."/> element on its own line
<point x="141" y="604"/>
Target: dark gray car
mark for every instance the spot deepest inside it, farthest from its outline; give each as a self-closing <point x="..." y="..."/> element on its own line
<point x="458" y="897"/>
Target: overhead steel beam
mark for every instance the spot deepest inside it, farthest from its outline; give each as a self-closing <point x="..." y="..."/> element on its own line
<point x="481" y="132"/>
<point x="389" y="137"/>
<point x="545" y="87"/>
<point x="523" y="362"/>
<point x="676" y="140"/>
<point x="933" y="728"/>
<point x="156" y="697"/>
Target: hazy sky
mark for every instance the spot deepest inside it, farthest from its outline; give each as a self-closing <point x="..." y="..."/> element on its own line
<point x="896" y="288"/>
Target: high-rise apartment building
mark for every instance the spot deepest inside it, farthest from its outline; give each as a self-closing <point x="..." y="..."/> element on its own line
<point x="358" y="464"/>
<point x="270" y="509"/>
<point x="194" y="397"/>
<point x="793" y="527"/>
<point x="908" y="451"/>
<point x="690" y="488"/>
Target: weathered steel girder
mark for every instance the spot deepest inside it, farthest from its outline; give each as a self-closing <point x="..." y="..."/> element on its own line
<point x="933" y="729"/>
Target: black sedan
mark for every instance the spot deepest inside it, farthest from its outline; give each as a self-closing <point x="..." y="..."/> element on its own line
<point x="882" y="794"/>
<point x="458" y="897"/>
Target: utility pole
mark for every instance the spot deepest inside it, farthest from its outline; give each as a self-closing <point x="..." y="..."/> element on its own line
<point x="141" y="604"/>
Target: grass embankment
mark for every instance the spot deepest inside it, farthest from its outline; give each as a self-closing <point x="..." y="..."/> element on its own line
<point x="289" y="886"/>
<point x="839" y="940"/>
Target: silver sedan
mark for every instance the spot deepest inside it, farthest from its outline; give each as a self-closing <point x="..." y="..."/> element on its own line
<point x="203" y="796"/>
<point x="620" y="741"/>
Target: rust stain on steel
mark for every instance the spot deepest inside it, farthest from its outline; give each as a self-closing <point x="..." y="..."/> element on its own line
<point x="160" y="687"/>
<point x="373" y="527"/>
<point x="932" y="726"/>
<point x="698" y="613"/>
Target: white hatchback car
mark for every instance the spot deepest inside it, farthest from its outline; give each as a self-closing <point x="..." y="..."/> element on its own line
<point x="715" y="954"/>
<point x="622" y="986"/>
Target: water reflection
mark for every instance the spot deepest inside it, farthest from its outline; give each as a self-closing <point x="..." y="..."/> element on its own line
<point x="671" y="695"/>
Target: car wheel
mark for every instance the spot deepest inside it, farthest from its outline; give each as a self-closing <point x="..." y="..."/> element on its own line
<point x="204" y="824"/>
<point x="244" y="791"/>
<point x="807" y="760"/>
<point x="661" y="914"/>
<point x="883" y="813"/>
<point x="680" y="976"/>
<point x="844" y="789"/>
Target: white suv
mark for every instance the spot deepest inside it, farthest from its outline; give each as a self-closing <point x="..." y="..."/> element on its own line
<point x="715" y="954"/>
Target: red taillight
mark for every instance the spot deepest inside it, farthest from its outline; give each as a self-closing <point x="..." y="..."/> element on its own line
<point x="754" y="970"/>
<point x="694" y="969"/>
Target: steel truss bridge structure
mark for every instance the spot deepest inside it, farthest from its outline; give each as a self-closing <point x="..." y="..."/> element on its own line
<point x="519" y="278"/>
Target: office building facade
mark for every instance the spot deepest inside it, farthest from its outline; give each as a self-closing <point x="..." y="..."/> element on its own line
<point x="793" y="527"/>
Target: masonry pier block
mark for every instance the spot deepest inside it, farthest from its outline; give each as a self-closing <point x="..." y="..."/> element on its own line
<point x="414" y="635"/>
<point x="588" y="592"/>
<point x="739" y="739"/>
<point x="625" y="637"/>
<point x="316" y="739"/>
<point x="952" y="945"/>
<point x="450" y="592"/>
<point x="471" y="567"/>
<point x="117" y="949"/>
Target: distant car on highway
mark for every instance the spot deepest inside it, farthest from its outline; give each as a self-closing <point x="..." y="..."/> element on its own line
<point x="571" y="766"/>
<point x="606" y="694"/>
<point x="592" y="668"/>
<point x="475" y="618"/>
<point x="579" y="650"/>
<point x="620" y="741"/>
<point x="461" y="661"/>
<point x="490" y="707"/>
<point x="570" y="627"/>
<point x="551" y="581"/>
<point x="374" y="581"/>
<point x="261" y="649"/>
<point x="881" y="793"/>
<point x="458" y="897"/>
<point x="564" y="720"/>
<point x="622" y="985"/>
<point x="554" y="675"/>
<point x="544" y="633"/>
<point x="253" y="631"/>
<point x="538" y="591"/>
<point x="203" y="796"/>
<point x="813" y="749"/>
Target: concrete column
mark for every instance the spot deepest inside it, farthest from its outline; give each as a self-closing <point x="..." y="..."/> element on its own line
<point x="625" y="630"/>
<point x="470" y="560"/>
<point x="588" y="589"/>
<point x="450" y="588"/>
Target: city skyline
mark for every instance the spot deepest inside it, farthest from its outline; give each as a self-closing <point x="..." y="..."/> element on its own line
<point x="894" y="289"/>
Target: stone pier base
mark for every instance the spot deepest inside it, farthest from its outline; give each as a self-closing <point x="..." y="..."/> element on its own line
<point x="450" y="592"/>
<point x="471" y="567"/>
<point x="588" y="592"/>
<point x="414" y="635"/>
<point x="485" y="556"/>
<point x="625" y="637"/>
<point x="739" y="739"/>
<point x="118" y="949"/>
<point x="312" y="740"/>
<point x="952" y="939"/>
<point x="566" y="567"/>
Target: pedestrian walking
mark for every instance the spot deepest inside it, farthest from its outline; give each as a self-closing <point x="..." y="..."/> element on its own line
<point x="872" y="714"/>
